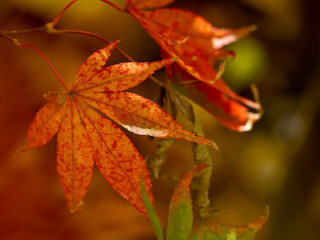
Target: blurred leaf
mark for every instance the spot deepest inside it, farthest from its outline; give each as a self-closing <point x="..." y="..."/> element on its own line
<point x="198" y="45"/>
<point x="173" y="103"/>
<point x="230" y="232"/>
<point x="227" y="110"/>
<point x="249" y="64"/>
<point x="201" y="154"/>
<point x="158" y="158"/>
<point x="203" y="179"/>
<point x="181" y="103"/>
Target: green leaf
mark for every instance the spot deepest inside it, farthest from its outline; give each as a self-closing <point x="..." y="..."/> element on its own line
<point x="230" y="232"/>
<point x="159" y="157"/>
<point x="151" y="212"/>
<point x="180" y="211"/>
<point x="203" y="179"/>
<point x="181" y="103"/>
<point x="200" y="152"/>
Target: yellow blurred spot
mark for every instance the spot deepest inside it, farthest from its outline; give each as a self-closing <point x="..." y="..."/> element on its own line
<point x="249" y="65"/>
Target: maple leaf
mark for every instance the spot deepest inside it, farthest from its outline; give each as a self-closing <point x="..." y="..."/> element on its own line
<point x="87" y="136"/>
<point x="190" y="37"/>
<point x="198" y="45"/>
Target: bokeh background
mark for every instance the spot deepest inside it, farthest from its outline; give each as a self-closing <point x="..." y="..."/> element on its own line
<point x="276" y="164"/>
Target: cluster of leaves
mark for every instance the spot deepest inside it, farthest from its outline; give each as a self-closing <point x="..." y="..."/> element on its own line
<point x="198" y="45"/>
<point x="179" y="226"/>
<point x="81" y="116"/>
<point x="84" y="115"/>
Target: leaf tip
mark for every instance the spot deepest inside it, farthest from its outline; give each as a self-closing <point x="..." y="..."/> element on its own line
<point x="252" y="118"/>
<point x="257" y="224"/>
<point x="114" y="43"/>
<point x="213" y="144"/>
<point x="76" y="208"/>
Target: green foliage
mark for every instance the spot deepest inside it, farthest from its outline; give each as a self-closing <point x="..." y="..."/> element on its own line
<point x="179" y="221"/>
<point x="151" y="212"/>
<point x="181" y="217"/>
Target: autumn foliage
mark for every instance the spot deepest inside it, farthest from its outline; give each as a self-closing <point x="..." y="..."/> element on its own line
<point x="86" y="135"/>
<point x="198" y="45"/>
<point x="86" y="116"/>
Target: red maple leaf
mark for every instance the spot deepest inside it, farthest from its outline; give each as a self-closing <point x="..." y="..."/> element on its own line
<point x="198" y="45"/>
<point x="87" y="136"/>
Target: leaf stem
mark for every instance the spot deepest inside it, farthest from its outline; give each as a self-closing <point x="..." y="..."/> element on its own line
<point x="156" y="81"/>
<point x="256" y="97"/>
<point x="57" y="18"/>
<point x="12" y="32"/>
<point x="44" y="58"/>
<point x="49" y="28"/>
<point x="113" y="5"/>
<point x="55" y="31"/>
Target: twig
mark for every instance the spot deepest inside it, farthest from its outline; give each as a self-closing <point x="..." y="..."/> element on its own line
<point x="44" y="58"/>
<point x="49" y="28"/>
<point x="113" y="5"/>
<point x="54" y="31"/>
<point x="57" y="18"/>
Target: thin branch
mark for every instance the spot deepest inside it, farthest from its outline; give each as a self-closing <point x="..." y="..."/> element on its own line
<point x="56" y="20"/>
<point x="113" y="5"/>
<point x="47" y="61"/>
<point x="49" y="28"/>
<point x="46" y="27"/>
<point x="12" y="32"/>
<point x="5" y="36"/>
<point x="54" y="31"/>
<point x="256" y="97"/>
<point x="156" y="81"/>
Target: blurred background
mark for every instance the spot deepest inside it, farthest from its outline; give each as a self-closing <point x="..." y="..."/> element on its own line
<point x="276" y="164"/>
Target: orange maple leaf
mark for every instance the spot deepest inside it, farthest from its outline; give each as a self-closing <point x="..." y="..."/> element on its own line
<point x="198" y="45"/>
<point x="86" y="135"/>
<point x="229" y="112"/>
